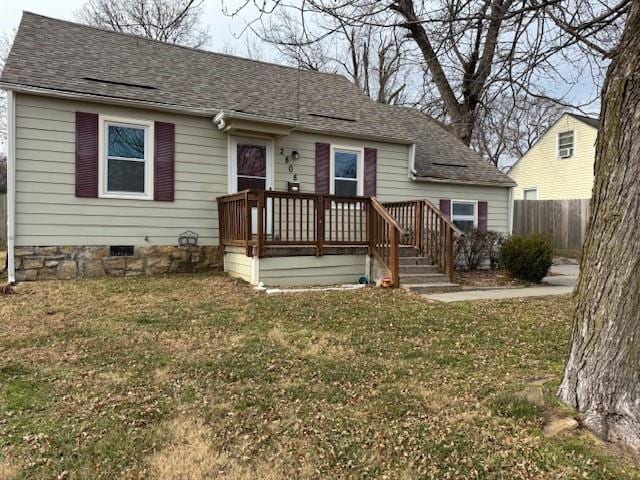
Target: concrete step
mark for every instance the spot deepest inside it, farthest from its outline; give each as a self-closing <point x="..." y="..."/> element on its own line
<point x="423" y="278"/>
<point x="409" y="269"/>
<point x="415" y="261"/>
<point x="432" y="287"/>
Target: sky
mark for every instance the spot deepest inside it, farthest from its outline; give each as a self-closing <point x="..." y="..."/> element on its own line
<point x="224" y="30"/>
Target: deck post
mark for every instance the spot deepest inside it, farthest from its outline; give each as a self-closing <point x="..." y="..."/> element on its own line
<point x="394" y="261"/>
<point x="419" y="225"/>
<point x="261" y="216"/>
<point x="370" y="228"/>
<point x="222" y="232"/>
<point x="319" y="203"/>
<point x="247" y="233"/>
<point x="450" y="259"/>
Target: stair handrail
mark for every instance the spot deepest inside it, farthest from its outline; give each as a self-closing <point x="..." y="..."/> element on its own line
<point x="384" y="239"/>
<point x="439" y="239"/>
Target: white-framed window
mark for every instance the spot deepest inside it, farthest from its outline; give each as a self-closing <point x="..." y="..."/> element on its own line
<point x="346" y="171"/>
<point x="566" y="142"/>
<point x="250" y="163"/>
<point x="530" y="193"/>
<point x="464" y="214"/>
<point x="126" y="158"/>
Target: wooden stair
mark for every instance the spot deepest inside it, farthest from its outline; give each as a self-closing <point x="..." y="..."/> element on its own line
<point x="418" y="274"/>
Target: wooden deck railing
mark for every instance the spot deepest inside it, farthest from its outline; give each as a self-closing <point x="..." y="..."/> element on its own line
<point x="384" y="239"/>
<point x="439" y="238"/>
<point x="258" y="219"/>
<point x="427" y="229"/>
<point x="410" y="217"/>
<point x="234" y="220"/>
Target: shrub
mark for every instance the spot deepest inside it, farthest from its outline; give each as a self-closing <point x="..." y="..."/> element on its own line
<point x="494" y="243"/>
<point x="527" y="257"/>
<point x="470" y="249"/>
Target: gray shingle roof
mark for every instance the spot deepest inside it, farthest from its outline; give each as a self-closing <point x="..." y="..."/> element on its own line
<point x="59" y="55"/>
<point x="440" y="155"/>
<point x="593" y="122"/>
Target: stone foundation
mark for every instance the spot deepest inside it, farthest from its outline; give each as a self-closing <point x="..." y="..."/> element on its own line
<point x="67" y="262"/>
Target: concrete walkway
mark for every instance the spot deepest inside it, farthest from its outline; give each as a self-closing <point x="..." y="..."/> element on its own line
<point x="498" y="294"/>
<point x="561" y="282"/>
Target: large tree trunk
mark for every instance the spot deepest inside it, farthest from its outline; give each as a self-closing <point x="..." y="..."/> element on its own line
<point x="602" y="376"/>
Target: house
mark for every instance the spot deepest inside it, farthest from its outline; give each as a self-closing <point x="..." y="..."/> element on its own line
<point x="560" y="164"/>
<point x="122" y="149"/>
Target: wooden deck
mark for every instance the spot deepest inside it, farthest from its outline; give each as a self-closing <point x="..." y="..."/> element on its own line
<point x="268" y="224"/>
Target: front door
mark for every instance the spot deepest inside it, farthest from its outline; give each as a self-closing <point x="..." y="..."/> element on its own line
<point x="251" y="166"/>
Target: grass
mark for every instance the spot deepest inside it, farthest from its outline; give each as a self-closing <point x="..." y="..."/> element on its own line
<point x="191" y="377"/>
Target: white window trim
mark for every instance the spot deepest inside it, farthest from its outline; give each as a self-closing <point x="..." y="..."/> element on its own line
<point x="148" y="126"/>
<point x="465" y="217"/>
<point x="573" y="148"/>
<point x="529" y="189"/>
<point x="359" y="168"/>
<point x="232" y="146"/>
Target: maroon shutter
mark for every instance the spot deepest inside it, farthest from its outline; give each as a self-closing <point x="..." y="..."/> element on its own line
<point x="370" y="171"/>
<point x="86" y="155"/>
<point x="482" y="216"/>
<point x="323" y="152"/>
<point x="164" y="161"/>
<point x="445" y="207"/>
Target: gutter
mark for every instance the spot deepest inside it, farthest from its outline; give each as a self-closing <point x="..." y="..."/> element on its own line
<point x="11" y="186"/>
<point x="463" y="182"/>
<point x="220" y="120"/>
<point x="104" y="99"/>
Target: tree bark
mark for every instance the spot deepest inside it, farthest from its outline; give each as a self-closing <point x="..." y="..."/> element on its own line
<point x="602" y="375"/>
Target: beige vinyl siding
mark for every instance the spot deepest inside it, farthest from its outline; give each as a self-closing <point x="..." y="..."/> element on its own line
<point x="237" y="264"/>
<point x="48" y="213"/>
<point x="393" y="181"/>
<point x="558" y="178"/>
<point x="310" y="270"/>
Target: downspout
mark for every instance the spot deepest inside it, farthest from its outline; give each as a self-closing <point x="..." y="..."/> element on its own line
<point x="11" y="186"/>
<point x="412" y="161"/>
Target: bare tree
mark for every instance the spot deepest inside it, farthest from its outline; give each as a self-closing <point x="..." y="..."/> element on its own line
<point x="173" y="21"/>
<point x="601" y="375"/>
<point x="374" y="58"/>
<point x="471" y="48"/>
<point x="507" y="127"/>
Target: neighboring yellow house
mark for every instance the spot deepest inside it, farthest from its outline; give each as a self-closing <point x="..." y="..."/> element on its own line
<point x="560" y="163"/>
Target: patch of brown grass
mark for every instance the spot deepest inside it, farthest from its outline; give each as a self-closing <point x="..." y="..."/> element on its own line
<point x="192" y="455"/>
<point x="8" y="469"/>
<point x="313" y="344"/>
<point x="189" y="455"/>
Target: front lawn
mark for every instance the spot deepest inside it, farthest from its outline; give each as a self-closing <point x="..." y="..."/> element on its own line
<point x="191" y="377"/>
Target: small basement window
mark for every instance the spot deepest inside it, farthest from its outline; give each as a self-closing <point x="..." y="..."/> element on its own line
<point x="127" y="159"/>
<point x="121" y="250"/>
<point x="565" y="144"/>
<point x="464" y="214"/>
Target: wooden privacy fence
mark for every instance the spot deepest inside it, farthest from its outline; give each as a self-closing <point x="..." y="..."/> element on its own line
<point x="564" y="221"/>
<point x="3" y="222"/>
